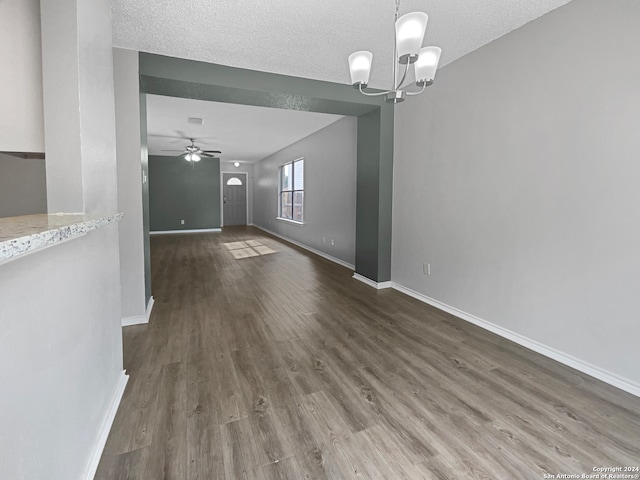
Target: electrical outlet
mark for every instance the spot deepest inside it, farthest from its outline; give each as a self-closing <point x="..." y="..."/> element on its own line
<point x="426" y="268"/>
<point x="333" y="242"/>
<point x="181" y="222"/>
<point x="324" y="239"/>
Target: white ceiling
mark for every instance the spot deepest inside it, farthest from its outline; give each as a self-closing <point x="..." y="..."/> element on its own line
<point x="304" y="38"/>
<point x="241" y="132"/>
<point x="310" y="39"/>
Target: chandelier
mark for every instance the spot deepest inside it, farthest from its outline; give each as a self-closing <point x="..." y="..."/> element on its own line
<point x="408" y="50"/>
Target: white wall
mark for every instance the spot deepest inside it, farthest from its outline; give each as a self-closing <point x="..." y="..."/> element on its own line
<point x="60" y="356"/>
<point x="79" y="107"/>
<point x="516" y="176"/>
<point x="329" y="191"/>
<point x="227" y="167"/>
<point x="21" y="113"/>
<point x="127" y="108"/>
<point x="23" y="186"/>
<point x="61" y="339"/>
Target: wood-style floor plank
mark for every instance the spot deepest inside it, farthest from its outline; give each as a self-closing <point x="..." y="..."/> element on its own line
<point x="281" y="366"/>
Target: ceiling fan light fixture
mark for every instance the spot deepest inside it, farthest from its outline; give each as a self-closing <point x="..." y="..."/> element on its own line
<point x="193" y="153"/>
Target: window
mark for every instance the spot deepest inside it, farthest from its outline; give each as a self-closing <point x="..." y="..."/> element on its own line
<point x="291" y="191"/>
<point x="234" y="181"/>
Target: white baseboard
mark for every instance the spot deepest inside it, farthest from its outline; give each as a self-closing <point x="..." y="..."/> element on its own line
<point x="149" y="307"/>
<point x="197" y="230"/>
<point x="308" y="248"/>
<point x="371" y="283"/>
<point x="139" y="319"/>
<point x="580" y="365"/>
<point x="134" y="320"/>
<point x="105" y="428"/>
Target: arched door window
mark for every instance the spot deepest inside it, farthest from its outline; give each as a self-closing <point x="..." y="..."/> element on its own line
<point x="234" y="181"/>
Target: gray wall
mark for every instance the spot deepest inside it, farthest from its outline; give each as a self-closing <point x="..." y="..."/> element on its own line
<point x="517" y="177"/>
<point x="227" y="167"/>
<point x="179" y="190"/>
<point x="130" y="181"/>
<point x="23" y="186"/>
<point x="329" y="192"/>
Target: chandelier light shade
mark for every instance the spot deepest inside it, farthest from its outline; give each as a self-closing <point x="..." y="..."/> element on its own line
<point x="410" y="29"/>
<point x="360" y="67"/>
<point x="409" y="35"/>
<point x="426" y="65"/>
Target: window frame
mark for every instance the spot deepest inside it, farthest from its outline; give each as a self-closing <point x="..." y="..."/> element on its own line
<point x="292" y="190"/>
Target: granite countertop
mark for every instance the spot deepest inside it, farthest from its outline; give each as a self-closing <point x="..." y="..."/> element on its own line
<point x="29" y="233"/>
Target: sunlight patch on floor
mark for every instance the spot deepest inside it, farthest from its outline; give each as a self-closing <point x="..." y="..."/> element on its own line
<point x="236" y="245"/>
<point x="247" y="249"/>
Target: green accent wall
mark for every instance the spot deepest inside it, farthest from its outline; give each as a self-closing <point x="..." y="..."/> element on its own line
<point x="385" y="193"/>
<point x="175" y="77"/>
<point x="367" y="195"/>
<point x="179" y="190"/>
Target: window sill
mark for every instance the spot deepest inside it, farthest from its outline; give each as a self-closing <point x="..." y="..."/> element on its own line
<point x="295" y="222"/>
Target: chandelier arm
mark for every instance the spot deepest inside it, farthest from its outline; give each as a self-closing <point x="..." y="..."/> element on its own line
<point x="417" y="93"/>
<point x="404" y="75"/>
<point x="368" y="94"/>
<point x="401" y="87"/>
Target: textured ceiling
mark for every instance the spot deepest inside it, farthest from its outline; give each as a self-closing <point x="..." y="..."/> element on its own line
<point x="241" y="132"/>
<point x="310" y="39"/>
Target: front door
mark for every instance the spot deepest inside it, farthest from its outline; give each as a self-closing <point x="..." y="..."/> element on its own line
<point x="234" y="190"/>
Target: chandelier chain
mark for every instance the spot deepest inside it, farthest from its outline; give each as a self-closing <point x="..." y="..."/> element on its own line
<point x="395" y="47"/>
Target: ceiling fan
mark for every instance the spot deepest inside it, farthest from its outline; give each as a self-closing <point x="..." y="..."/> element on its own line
<point x="193" y="153"/>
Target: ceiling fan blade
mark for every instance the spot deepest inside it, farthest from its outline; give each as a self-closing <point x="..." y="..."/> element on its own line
<point x="211" y="151"/>
<point x="203" y="154"/>
<point x="172" y="150"/>
<point x="159" y="135"/>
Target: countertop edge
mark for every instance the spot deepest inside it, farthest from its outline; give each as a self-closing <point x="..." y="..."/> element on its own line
<point x="20" y="246"/>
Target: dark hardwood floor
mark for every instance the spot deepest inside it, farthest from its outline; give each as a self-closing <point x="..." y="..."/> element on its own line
<point x="280" y="365"/>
